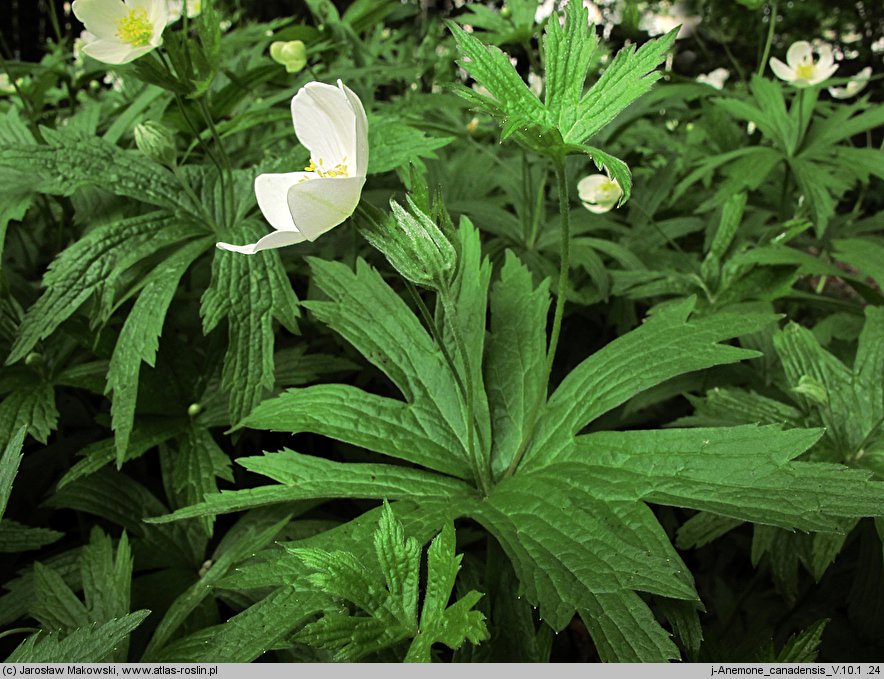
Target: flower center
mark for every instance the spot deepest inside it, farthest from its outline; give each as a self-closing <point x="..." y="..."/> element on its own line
<point x="804" y="71"/>
<point x="339" y="170"/>
<point x="135" y="28"/>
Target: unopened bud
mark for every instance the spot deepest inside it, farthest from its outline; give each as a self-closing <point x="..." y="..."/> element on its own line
<point x="33" y="359"/>
<point x="194" y="409"/>
<point x="156" y="142"/>
<point x="291" y="54"/>
<point x="414" y="245"/>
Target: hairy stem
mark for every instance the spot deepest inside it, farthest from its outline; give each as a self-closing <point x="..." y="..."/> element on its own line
<point x="770" y="34"/>
<point x="564" y="264"/>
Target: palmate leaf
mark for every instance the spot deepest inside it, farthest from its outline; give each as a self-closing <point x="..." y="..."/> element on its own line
<point x="86" y="267"/>
<point x="386" y="593"/>
<point x="570" y="511"/>
<point x="70" y="162"/>
<point x="250" y="534"/>
<point x="567" y="118"/>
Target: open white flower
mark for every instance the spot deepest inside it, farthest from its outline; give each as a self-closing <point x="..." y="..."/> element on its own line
<point x="854" y="86"/>
<point x="330" y="121"/>
<point x="800" y="68"/>
<point x="715" y="78"/>
<point x="118" y="32"/>
<point x="599" y="193"/>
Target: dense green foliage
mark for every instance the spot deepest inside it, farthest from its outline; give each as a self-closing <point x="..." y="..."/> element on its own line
<point x="476" y="421"/>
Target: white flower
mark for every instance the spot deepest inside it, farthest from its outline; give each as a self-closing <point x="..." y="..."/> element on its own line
<point x="119" y="32"/>
<point x="715" y="78"/>
<point x="800" y="69"/>
<point x="599" y="193"/>
<point x="535" y="83"/>
<point x="665" y="21"/>
<point x="330" y="121"/>
<point x="79" y="43"/>
<point x="854" y="86"/>
<point x="176" y="9"/>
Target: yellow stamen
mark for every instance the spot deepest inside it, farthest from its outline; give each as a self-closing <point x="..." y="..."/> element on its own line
<point x="135" y="28"/>
<point x="804" y="71"/>
<point x="339" y="170"/>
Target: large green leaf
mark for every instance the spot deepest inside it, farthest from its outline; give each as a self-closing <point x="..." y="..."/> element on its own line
<point x="250" y="292"/>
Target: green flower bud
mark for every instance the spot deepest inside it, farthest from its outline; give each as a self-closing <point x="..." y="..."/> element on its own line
<point x="292" y="55"/>
<point x="156" y="142"/>
<point x="413" y="245"/>
<point x="194" y="409"/>
<point x="33" y="359"/>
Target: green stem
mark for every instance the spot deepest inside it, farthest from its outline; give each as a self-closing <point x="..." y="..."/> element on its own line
<point x="799" y="133"/>
<point x="228" y="190"/>
<point x="564" y="263"/>
<point x="537" y="213"/>
<point x="19" y="630"/>
<point x="770" y="34"/>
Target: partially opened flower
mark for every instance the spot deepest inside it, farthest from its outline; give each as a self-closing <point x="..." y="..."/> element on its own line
<point x="330" y="121"/>
<point x="118" y="32"/>
<point x="854" y="86"/>
<point x="800" y="68"/>
<point x="599" y="193"/>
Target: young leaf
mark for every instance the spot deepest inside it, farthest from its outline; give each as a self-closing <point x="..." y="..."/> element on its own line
<point x="388" y="597"/>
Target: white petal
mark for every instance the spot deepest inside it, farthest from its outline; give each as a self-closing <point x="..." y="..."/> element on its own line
<point x="864" y="74"/>
<point x="326" y="124"/>
<point x="113" y="51"/>
<point x="277" y="239"/>
<point x="272" y="191"/>
<point x="799" y="53"/>
<point x="782" y="71"/>
<point x="100" y="16"/>
<point x="599" y="208"/>
<point x="588" y="187"/>
<point x="320" y="205"/>
<point x="826" y="57"/>
<point x="822" y="75"/>
<point x="840" y="92"/>
<point x="361" y="130"/>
